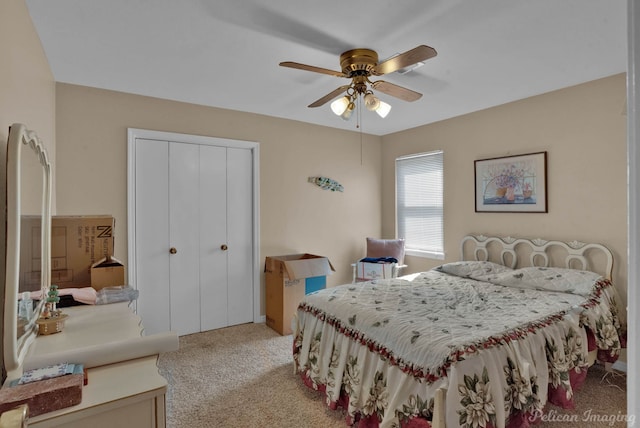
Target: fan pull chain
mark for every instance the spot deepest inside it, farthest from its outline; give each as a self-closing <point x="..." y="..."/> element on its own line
<point x="359" y="117"/>
<point x="359" y="112"/>
<point x="360" y="147"/>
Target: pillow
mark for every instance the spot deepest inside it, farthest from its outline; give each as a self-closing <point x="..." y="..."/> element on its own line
<point x="474" y="269"/>
<point x="549" y="278"/>
<point x="377" y="248"/>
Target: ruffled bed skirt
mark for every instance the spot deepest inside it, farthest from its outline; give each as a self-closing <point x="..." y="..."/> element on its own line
<point x="556" y="396"/>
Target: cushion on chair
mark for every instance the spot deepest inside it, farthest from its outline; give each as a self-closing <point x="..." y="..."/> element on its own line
<point x="386" y="248"/>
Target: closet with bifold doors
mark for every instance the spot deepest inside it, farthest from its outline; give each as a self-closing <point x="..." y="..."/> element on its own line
<point x="193" y="241"/>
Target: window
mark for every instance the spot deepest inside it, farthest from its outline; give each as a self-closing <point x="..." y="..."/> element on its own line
<point x="419" y="213"/>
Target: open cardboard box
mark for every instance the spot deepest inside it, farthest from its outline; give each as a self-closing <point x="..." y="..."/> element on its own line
<point x="287" y="279"/>
<point x="108" y="272"/>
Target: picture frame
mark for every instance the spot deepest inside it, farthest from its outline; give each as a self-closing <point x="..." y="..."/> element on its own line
<point x="512" y="184"/>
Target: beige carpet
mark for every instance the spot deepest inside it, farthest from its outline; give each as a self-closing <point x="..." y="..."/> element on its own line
<point x="242" y="376"/>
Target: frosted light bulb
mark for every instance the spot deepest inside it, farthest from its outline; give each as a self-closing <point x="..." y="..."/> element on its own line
<point x="371" y="102"/>
<point x="346" y="115"/>
<point x="340" y="105"/>
<point x="383" y="109"/>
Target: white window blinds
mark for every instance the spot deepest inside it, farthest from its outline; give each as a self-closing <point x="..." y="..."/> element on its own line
<point x="419" y="213"/>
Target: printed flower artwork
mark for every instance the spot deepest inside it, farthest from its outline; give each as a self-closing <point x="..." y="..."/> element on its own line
<point x="332" y="394"/>
<point x="521" y="393"/>
<point x="509" y="176"/>
<point x="352" y="378"/>
<point x="607" y="334"/>
<point x="416" y="407"/>
<point x="558" y="372"/>
<point x="515" y="176"/>
<point x="574" y="351"/>
<point x="519" y="182"/>
<point x="314" y="354"/>
<point x="478" y="409"/>
<point x="377" y="400"/>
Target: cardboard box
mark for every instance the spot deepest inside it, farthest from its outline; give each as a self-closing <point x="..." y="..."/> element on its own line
<point x="107" y="272"/>
<point x="77" y="242"/>
<point x="366" y="271"/>
<point x="288" y="279"/>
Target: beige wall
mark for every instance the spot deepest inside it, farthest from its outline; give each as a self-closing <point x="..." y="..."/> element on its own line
<point x="27" y="88"/>
<point x="295" y="216"/>
<point x="27" y="93"/>
<point x="582" y="128"/>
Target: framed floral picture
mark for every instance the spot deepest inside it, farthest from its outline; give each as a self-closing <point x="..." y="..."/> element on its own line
<point x="512" y="184"/>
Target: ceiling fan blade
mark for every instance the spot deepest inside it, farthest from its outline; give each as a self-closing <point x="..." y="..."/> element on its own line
<point x="396" y="91"/>
<point x="306" y="67"/>
<point x="331" y="95"/>
<point x="417" y="54"/>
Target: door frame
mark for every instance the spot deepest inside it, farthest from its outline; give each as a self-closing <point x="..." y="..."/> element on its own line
<point x="135" y="133"/>
<point x="633" y="207"/>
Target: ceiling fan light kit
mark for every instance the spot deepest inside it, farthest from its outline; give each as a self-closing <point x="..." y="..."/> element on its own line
<point x="360" y="64"/>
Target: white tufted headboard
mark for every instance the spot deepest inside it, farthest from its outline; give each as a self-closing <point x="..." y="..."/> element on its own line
<point x="520" y="252"/>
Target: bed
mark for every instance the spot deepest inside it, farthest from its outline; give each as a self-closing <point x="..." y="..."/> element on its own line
<point x="485" y="342"/>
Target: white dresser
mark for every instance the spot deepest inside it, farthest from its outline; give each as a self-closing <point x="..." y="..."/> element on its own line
<point x="124" y="386"/>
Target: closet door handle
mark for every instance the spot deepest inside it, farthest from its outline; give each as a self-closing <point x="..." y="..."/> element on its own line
<point x="173" y="250"/>
<point x="224" y="247"/>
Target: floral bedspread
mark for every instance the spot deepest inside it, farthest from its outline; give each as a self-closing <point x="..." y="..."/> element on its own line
<point x="502" y="342"/>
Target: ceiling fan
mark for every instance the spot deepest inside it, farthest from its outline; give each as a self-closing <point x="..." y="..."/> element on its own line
<point x="360" y="64"/>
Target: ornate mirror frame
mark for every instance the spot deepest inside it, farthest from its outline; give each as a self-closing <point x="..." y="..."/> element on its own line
<point x="22" y="143"/>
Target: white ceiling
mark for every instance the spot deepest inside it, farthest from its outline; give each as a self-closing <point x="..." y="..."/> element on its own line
<point x="225" y="53"/>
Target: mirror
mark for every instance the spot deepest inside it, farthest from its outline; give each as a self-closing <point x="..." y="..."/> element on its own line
<point x="28" y="230"/>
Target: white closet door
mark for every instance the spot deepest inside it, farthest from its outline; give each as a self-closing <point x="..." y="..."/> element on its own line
<point x="184" y="219"/>
<point x="213" y="235"/>
<point x="152" y="239"/>
<point x="240" y="235"/>
<point x="197" y="199"/>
